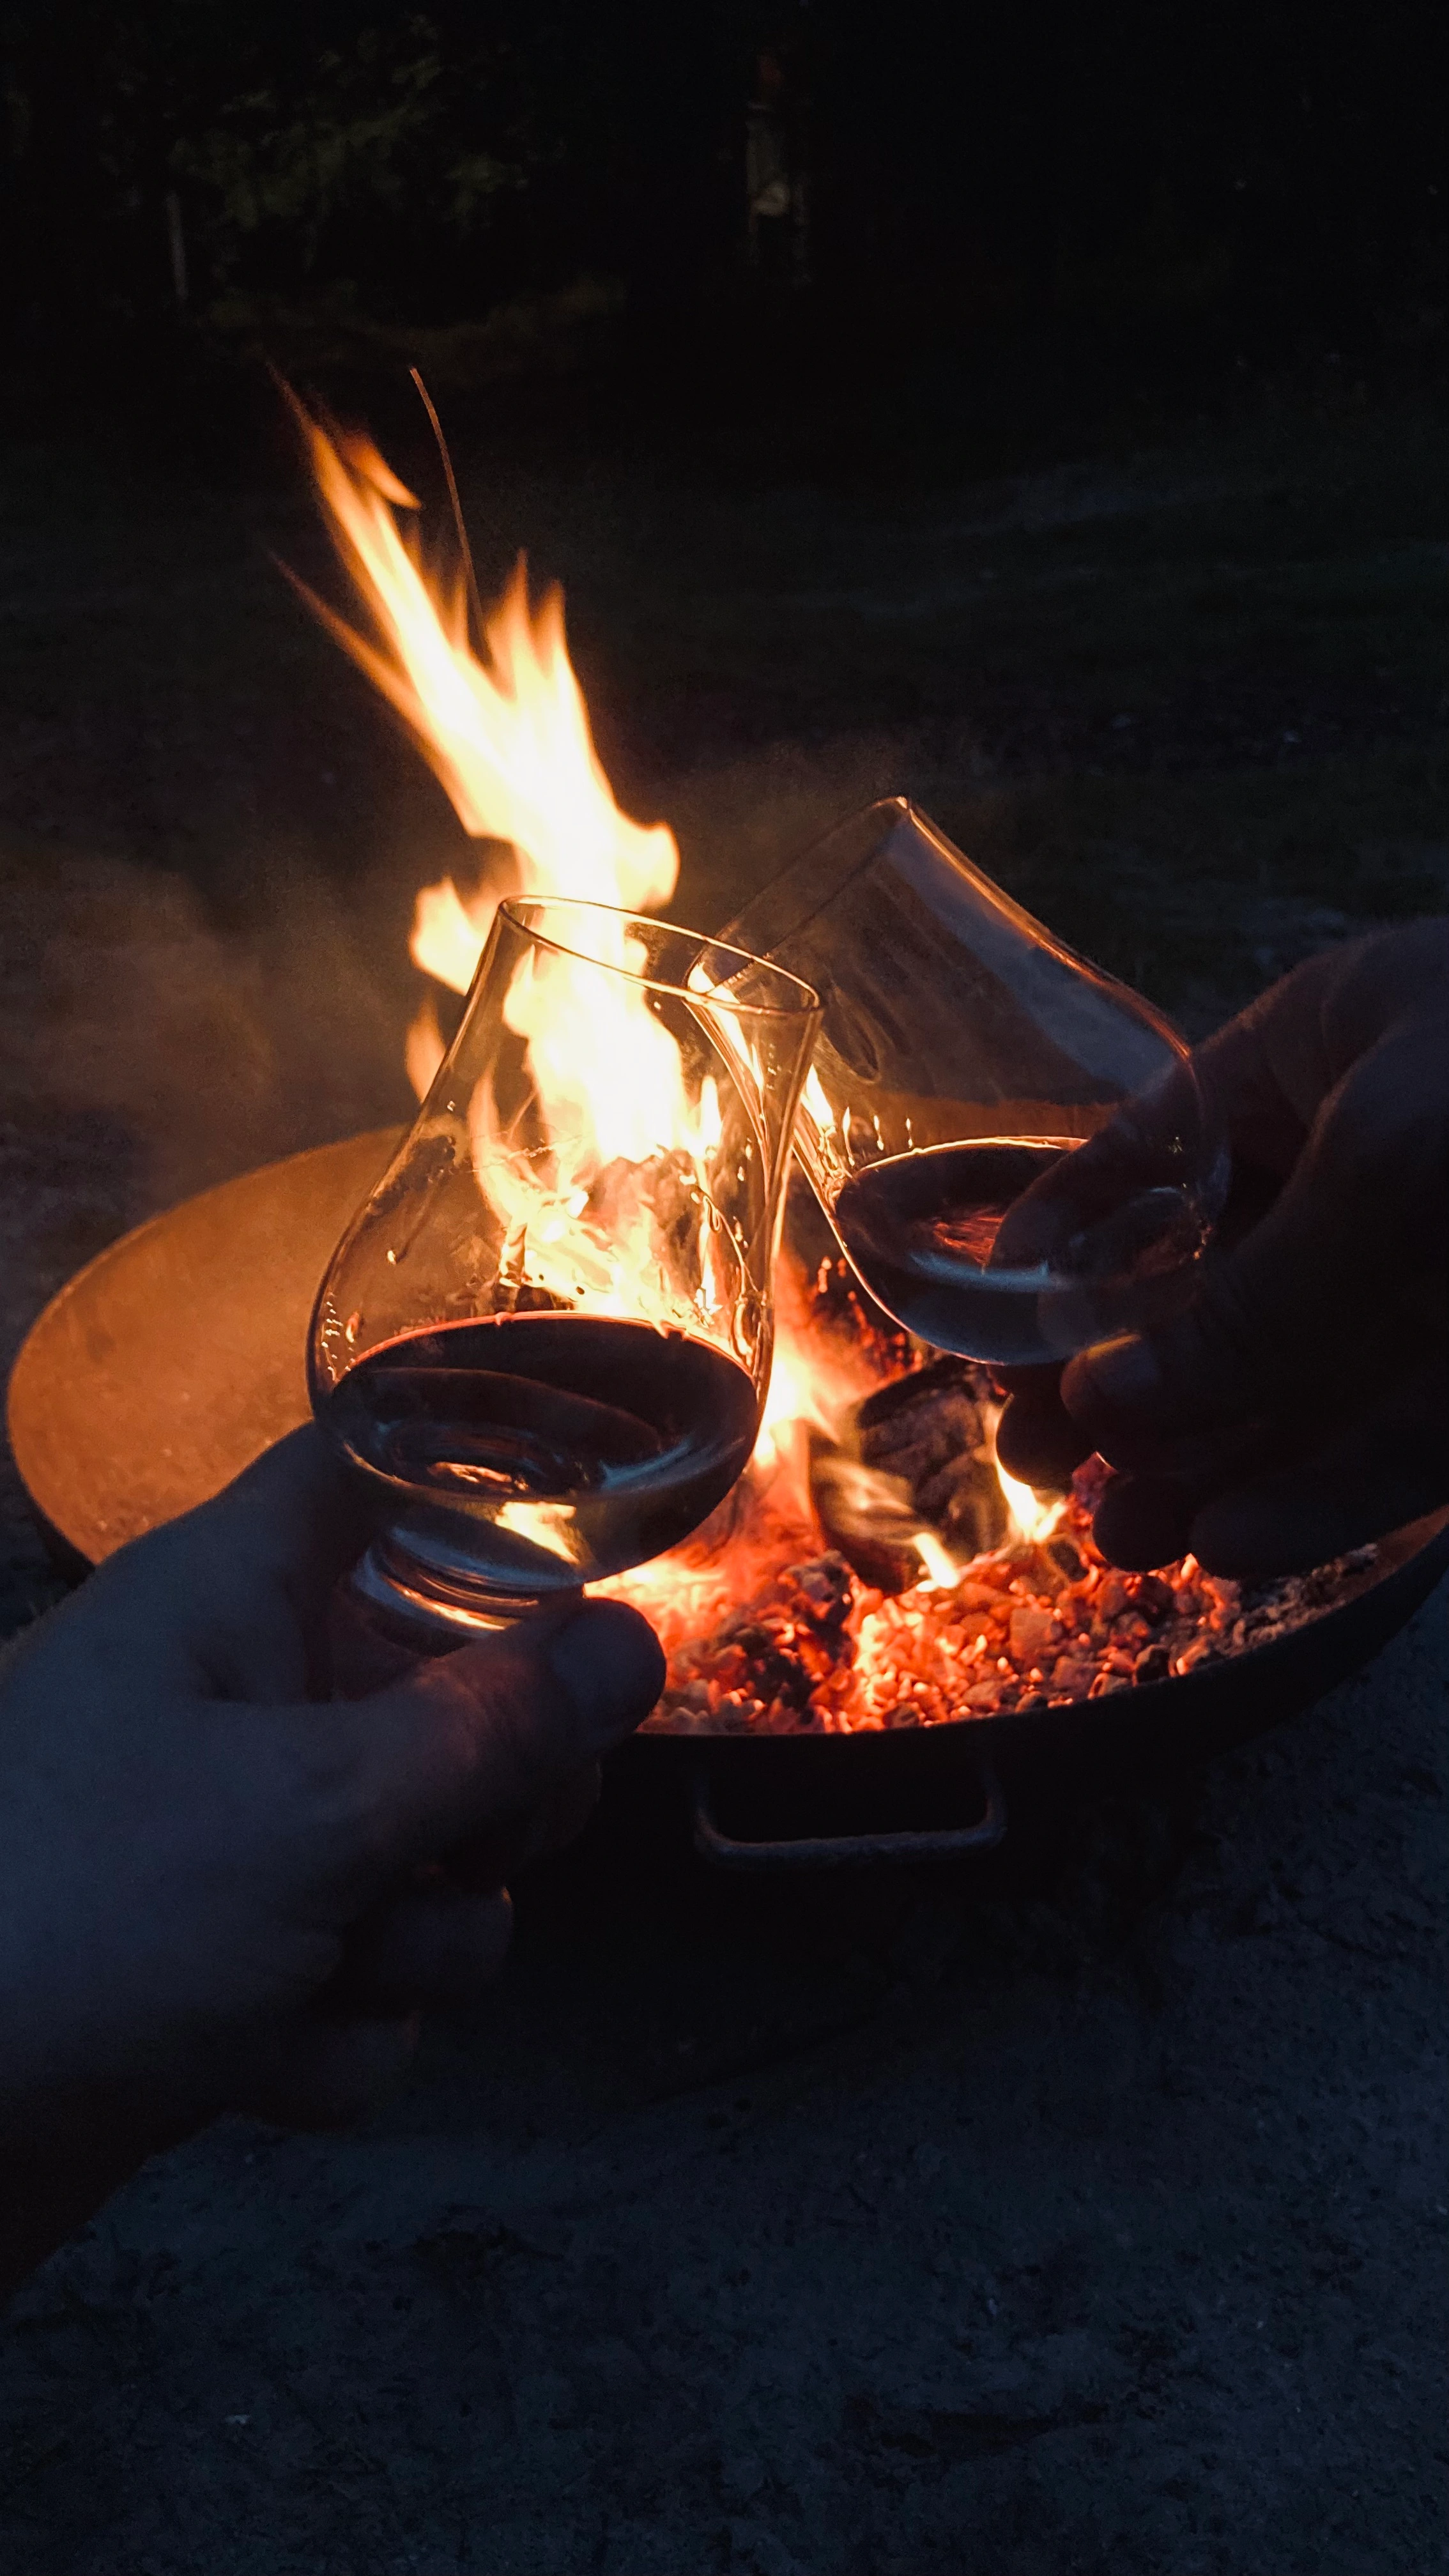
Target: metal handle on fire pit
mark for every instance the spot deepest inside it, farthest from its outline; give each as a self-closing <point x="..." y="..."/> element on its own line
<point x="838" y="1851"/>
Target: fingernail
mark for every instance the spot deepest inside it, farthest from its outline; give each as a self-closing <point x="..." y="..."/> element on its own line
<point x="609" y="1663"/>
<point x="1117" y="1374"/>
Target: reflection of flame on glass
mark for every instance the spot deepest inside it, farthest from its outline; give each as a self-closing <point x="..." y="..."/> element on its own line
<point x="508" y="736"/>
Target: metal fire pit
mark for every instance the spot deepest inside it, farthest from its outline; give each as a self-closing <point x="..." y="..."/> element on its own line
<point x="164" y="1367"/>
<point x="179" y="1354"/>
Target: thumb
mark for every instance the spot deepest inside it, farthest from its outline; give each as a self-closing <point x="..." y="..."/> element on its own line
<point x="473" y="1737"/>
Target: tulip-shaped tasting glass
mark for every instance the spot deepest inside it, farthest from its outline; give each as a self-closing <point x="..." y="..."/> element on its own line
<point x="1012" y="1147"/>
<point x="546" y="1336"/>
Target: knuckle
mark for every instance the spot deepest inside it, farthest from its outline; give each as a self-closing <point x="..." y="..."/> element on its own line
<point x="318" y="1789"/>
<point x="501" y="1716"/>
<point x="1223" y="1334"/>
<point x="1380" y="1126"/>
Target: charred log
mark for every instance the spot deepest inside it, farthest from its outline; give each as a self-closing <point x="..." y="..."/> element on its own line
<point x="917" y="1454"/>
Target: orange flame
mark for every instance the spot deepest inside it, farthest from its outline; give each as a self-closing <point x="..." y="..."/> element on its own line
<point x="1031" y="1518"/>
<point x="508" y="736"/>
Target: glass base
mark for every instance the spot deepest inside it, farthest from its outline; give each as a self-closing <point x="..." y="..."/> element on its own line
<point x="430" y="1608"/>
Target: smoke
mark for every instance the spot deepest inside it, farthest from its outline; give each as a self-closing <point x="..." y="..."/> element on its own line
<point x="194" y="1047"/>
<point x="740" y="821"/>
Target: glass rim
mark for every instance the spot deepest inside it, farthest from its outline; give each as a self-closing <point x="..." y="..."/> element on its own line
<point x="803" y="1001"/>
<point x="888" y="812"/>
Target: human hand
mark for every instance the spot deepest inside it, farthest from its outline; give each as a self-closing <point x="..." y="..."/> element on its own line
<point x="220" y="1890"/>
<point x="1300" y="1405"/>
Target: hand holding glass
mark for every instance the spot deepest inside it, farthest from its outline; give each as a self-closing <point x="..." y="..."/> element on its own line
<point x="1011" y="1146"/>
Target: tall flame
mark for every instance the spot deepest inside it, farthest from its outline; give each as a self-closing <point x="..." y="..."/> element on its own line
<point x="508" y="736"/>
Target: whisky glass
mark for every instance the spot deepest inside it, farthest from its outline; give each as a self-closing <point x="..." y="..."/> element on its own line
<point x="545" y="1339"/>
<point x="1012" y="1146"/>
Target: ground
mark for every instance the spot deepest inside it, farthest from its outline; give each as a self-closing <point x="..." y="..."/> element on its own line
<point x="863" y="2228"/>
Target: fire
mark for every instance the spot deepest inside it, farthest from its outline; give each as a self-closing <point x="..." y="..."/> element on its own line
<point x="1030" y="1516"/>
<point x="508" y="736"/>
<point x="816" y="1378"/>
<point x="507" y="733"/>
<point x="942" y="1571"/>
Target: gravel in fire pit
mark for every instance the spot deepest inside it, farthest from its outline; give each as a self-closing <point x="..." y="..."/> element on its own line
<point x="1033" y="1623"/>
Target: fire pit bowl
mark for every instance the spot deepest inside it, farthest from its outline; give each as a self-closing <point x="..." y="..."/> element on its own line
<point x="816" y="1801"/>
<point x="124" y="1412"/>
<point x="179" y="1354"/>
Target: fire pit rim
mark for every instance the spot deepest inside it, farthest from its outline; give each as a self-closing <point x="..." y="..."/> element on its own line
<point x="1409" y="1562"/>
<point x="1025" y="1763"/>
<point x="1419" y="1547"/>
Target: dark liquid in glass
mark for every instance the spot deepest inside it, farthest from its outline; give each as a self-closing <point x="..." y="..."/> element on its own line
<point x="921" y="1230"/>
<point x="548" y="1450"/>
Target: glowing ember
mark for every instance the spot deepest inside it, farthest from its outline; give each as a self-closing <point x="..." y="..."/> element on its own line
<point x="803" y="1646"/>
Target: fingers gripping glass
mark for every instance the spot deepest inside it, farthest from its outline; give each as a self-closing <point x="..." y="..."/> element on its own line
<point x="1012" y="1147"/>
<point x="546" y="1337"/>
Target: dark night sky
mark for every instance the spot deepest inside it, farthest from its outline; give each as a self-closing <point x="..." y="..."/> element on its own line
<point x="1251" y="177"/>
